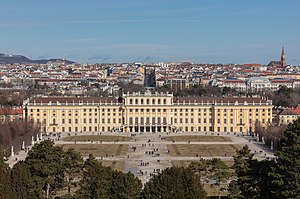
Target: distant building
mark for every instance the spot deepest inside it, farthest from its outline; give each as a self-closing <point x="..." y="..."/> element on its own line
<point x="281" y="63"/>
<point x="258" y="84"/>
<point x="235" y="83"/>
<point x="288" y="116"/>
<point x="283" y="60"/>
<point x="149" y="77"/>
<point x="11" y="114"/>
<point x="264" y="84"/>
<point x="179" y="83"/>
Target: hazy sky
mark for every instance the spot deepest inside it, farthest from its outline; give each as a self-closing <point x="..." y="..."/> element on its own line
<point x="206" y="31"/>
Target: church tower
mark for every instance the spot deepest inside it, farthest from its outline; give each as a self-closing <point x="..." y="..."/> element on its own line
<point x="282" y="60"/>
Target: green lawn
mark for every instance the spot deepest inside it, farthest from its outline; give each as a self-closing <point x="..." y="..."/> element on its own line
<point x="203" y="150"/>
<point x="198" y="138"/>
<point x="104" y="138"/>
<point x="99" y="150"/>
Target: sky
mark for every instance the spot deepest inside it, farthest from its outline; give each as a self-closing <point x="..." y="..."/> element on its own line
<point x="199" y="31"/>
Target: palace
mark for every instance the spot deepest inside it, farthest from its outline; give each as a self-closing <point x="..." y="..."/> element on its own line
<point x="148" y="112"/>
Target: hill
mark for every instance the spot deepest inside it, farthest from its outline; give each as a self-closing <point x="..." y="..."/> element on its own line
<point x="13" y="59"/>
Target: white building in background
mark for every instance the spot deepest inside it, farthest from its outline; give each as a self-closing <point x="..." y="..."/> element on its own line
<point x="235" y="83"/>
<point x="258" y="84"/>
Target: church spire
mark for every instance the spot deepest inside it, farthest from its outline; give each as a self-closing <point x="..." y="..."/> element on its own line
<point x="282" y="60"/>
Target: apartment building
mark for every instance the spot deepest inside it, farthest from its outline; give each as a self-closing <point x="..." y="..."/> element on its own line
<point x="148" y="112"/>
<point x="11" y="114"/>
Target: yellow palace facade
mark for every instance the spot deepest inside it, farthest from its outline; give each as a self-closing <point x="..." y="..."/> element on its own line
<point x="148" y="112"/>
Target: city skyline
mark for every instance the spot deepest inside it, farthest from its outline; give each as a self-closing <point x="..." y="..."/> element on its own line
<point x="117" y="31"/>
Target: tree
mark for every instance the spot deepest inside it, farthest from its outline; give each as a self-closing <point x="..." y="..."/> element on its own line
<point x="286" y="172"/>
<point x="212" y="170"/>
<point x="95" y="181"/>
<point x="21" y="181"/>
<point x="220" y="173"/>
<point x="253" y="180"/>
<point x="124" y="186"/>
<point x="202" y="169"/>
<point x="174" y="183"/>
<point x="99" y="182"/>
<point x="242" y="166"/>
<point x="73" y="164"/>
<point x="5" y="191"/>
<point x="45" y="162"/>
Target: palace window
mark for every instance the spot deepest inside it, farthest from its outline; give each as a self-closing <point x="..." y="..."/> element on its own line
<point x="164" y="120"/>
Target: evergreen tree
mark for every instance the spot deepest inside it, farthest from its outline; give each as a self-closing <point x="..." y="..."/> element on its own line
<point x="5" y="191"/>
<point x="174" y="183"/>
<point x="202" y="169"/>
<point x="220" y="173"/>
<point x="45" y="162"/>
<point x="286" y="172"/>
<point x="95" y="183"/>
<point x="73" y="164"/>
<point x="212" y="170"/>
<point x="21" y="181"/>
<point x="101" y="182"/>
<point x="242" y="165"/>
<point x="124" y="186"/>
<point x="253" y="180"/>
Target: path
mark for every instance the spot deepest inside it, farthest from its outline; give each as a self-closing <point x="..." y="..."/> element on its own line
<point x="142" y="163"/>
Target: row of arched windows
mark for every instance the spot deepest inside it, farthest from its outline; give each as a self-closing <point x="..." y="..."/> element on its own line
<point x="147" y="101"/>
<point x="147" y="121"/>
